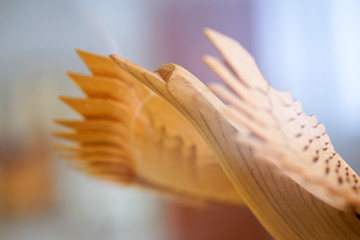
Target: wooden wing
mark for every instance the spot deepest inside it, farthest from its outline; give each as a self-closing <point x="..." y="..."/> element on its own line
<point x="280" y="160"/>
<point x="130" y="135"/>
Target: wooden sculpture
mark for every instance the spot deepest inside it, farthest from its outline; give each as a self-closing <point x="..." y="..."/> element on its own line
<point x="280" y="161"/>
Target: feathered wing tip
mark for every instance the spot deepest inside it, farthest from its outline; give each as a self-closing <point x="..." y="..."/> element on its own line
<point x="130" y="135"/>
<point x="280" y="160"/>
<point x="101" y="135"/>
<point x="296" y="143"/>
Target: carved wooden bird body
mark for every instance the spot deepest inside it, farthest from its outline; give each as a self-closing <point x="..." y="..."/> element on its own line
<point x="280" y="161"/>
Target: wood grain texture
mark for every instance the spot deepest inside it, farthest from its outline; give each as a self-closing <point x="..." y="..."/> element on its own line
<point x="280" y="160"/>
<point x="130" y="135"/>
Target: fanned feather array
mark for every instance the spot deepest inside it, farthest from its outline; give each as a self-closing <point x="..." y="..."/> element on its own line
<point x="130" y="135"/>
<point x="283" y="133"/>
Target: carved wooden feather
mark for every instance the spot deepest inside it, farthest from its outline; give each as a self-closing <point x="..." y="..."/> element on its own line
<point x="280" y="160"/>
<point x="129" y="134"/>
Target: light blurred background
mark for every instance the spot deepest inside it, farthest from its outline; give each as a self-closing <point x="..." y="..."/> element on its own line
<point x="308" y="47"/>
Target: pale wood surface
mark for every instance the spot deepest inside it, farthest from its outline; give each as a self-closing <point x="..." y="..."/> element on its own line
<point x="280" y="160"/>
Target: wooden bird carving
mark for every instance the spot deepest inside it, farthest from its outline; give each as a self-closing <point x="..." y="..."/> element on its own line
<point x="280" y="161"/>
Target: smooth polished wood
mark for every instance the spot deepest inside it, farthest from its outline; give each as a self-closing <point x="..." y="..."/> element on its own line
<point x="280" y="160"/>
